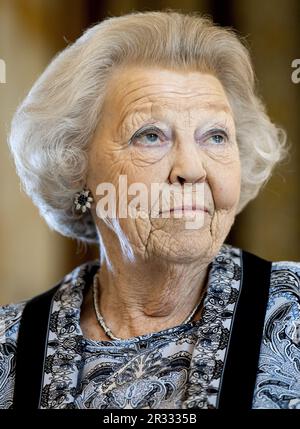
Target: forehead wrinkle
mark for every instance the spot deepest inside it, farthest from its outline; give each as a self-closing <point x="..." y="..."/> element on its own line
<point x="145" y="81"/>
<point x="183" y="86"/>
<point x="125" y="87"/>
<point x="149" y="111"/>
<point x="162" y="95"/>
<point x="165" y="95"/>
<point x="152" y="96"/>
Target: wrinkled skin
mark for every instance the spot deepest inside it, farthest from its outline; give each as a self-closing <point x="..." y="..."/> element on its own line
<point x="194" y="142"/>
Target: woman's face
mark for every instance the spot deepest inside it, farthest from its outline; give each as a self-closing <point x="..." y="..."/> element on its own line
<point x="169" y="127"/>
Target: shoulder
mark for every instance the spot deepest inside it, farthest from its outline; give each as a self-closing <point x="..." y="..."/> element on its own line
<point x="278" y="372"/>
<point x="64" y="296"/>
<point x="285" y="268"/>
<point x="284" y="291"/>
<point x="278" y="377"/>
<point x="10" y="316"/>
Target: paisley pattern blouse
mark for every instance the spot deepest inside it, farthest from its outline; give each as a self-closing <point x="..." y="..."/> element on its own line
<point x="180" y="367"/>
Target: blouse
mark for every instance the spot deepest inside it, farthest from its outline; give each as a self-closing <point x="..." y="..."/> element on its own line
<point x="179" y="367"/>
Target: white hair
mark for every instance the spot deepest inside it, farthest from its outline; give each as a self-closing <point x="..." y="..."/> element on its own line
<point x="53" y="126"/>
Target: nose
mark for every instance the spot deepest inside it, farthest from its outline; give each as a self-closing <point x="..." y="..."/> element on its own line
<point x="188" y="166"/>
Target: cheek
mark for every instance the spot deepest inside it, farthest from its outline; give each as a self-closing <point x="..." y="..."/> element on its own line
<point x="107" y="167"/>
<point x="111" y="161"/>
<point x="226" y="188"/>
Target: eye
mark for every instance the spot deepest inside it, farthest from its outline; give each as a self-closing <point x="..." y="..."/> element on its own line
<point x="217" y="137"/>
<point x="148" y="137"/>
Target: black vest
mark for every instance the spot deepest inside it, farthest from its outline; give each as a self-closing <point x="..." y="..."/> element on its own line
<point x="240" y="366"/>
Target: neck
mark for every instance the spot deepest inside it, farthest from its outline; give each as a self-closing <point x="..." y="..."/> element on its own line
<point x="145" y="296"/>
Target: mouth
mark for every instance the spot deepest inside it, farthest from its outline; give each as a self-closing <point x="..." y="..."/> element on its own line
<point x="186" y="208"/>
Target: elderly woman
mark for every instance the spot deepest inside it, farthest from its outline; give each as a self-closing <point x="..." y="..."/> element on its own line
<point x="169" y="316"/>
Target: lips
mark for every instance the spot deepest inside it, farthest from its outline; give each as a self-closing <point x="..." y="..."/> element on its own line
<point x="187" y="207"/>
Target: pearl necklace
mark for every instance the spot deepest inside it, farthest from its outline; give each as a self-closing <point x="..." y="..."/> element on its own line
<point x="101" y="320"/>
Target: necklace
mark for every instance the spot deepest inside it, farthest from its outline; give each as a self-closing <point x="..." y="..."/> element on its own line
<point x="100" y="317"/>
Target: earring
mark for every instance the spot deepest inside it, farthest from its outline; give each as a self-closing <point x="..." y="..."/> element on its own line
<point x="83" y="200"/>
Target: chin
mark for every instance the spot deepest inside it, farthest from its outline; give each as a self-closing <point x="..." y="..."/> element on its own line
<point x="189" y="223"/>
<point x="182" y="246"/>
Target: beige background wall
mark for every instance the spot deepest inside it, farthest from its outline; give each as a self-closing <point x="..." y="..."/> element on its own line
<point x="270" y="225"/>
<point x="32" y="258"/>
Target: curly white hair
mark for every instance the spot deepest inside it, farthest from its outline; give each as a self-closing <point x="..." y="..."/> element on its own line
<point x="53" y="126"/>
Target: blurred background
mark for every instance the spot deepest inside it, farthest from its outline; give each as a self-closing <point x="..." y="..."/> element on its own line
<point x="32" y="258"/>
